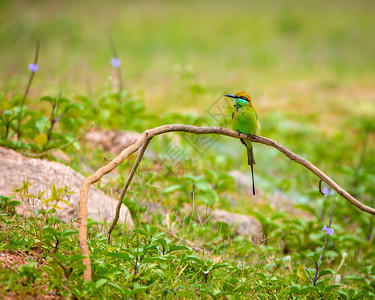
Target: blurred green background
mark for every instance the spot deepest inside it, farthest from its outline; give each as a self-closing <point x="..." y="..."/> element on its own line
<point x="284" y="52"/>
<point x="309" y="66"/>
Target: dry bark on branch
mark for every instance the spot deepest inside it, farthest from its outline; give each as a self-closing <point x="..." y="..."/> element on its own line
<point x="148" y="134"/>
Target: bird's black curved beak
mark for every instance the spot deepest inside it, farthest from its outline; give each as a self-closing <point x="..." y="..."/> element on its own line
<point x="231" y="96"/>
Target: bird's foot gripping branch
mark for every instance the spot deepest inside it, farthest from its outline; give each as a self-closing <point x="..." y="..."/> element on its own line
<point x="142" y="143"/>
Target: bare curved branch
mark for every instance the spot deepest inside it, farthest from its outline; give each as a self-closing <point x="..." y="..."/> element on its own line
<point x="148" y="134"/>
<point x="126" y="186"/>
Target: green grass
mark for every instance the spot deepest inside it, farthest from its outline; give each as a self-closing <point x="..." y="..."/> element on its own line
<point x="309" y="67"/>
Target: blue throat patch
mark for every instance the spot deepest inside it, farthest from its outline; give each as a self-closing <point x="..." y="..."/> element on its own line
<point x="238" y="102"/>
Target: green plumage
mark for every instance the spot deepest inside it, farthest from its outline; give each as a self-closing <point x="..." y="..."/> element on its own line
<point x="245" y="120"/>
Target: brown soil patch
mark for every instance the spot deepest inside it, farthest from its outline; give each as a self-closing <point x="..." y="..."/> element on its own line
<point x="15" y="259"/>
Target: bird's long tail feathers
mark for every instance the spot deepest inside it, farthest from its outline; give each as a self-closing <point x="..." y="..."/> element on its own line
<point x="252" y="178"/>
<point x="250" y="156"/>
<point x="250" y="162"/>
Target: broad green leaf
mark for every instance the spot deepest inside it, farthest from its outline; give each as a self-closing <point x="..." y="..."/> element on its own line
<point x="123" y="255"/>
<point x="164" y="241"/>
<point x="193" y="258"/>
<point x="154" y="259"/>
<point x="326" y="272"/>
<point x="7" y="114"/>
<point x="76" y="257"/>
<point x="41" y="124"/>
<point x="114" y="285"/>
<point x="172" y="188"/>
<point x="178" y="247"/>
<point x="74" y="106"/>
<point x="138" y="288"/>
<point x="100" y="283"/>
<point x="303" y="275"/>
<point x="138" y="251"/>
<point x="63" y="100"/>
<point x="203" y="186"/>
<point x="47" y="99"/>
<point x="333" y="286"/>
<point x="279" y="215"/>
<point x="52" y="231"/>
<point x="343" y="294"/>
<point x="69" y="232"/>
<point x="351" y="238"/>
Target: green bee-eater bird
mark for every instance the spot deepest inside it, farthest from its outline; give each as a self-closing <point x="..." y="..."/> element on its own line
<point x="245" y="120"/>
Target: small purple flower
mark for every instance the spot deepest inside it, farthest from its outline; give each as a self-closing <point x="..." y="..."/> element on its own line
<point x="33" y="67"/>
<point x="328" y="230"/>
<point x="116" y="63"/>
<point x="325" y="191"/>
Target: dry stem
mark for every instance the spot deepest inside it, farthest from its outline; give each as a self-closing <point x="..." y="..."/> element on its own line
<point x="148" y="134"/>
<point x="125" y="188"/>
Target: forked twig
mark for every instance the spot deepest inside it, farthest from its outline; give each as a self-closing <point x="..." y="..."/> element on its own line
<point x="148" y="134"/>
<point x="141" y="151"/>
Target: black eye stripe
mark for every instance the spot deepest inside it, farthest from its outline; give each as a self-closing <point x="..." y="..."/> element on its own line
<point x="244" y="98"/>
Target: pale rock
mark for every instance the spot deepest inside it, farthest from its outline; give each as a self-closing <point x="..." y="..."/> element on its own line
<point x="42" y="174"/>
<point x="111" y="140"/>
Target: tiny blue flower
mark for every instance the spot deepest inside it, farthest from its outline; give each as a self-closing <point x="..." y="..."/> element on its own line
<point x="329" y="231"/>
<point x="116" y="63"/>
<point x="33" y="67"/>
<point x="325" y="191"/>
